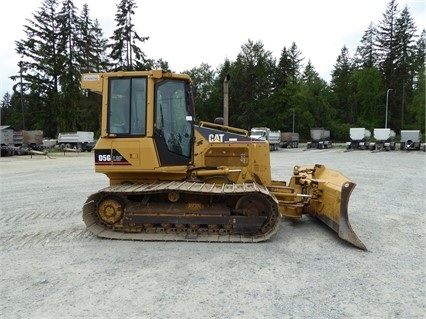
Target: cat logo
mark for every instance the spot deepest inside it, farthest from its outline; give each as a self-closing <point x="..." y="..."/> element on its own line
<point x="216" y="138"/>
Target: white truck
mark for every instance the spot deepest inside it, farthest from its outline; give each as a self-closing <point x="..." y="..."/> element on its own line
<point x="265" y="134"/>
<point x="360" y="139"/>
<point x="410" y="140"/>
<point x="79" y="140"/>
<point x="320" y="138"/>
<point x="384" y="139"/>
<point x="6" y="141"/>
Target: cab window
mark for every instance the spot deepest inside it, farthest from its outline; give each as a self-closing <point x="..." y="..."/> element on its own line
<point x="127" y="106"/>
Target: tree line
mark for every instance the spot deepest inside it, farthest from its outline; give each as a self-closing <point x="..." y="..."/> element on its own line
<point x="386" y="74"/>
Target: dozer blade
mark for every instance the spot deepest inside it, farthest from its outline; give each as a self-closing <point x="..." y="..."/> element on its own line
<point x="322" y="193"/>
<point x="330" y="204"/>
<point x="342" y="226"/>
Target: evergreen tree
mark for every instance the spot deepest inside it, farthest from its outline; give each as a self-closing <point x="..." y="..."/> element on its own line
<point x="42" y="61"/>
<point x="404" y="60"/>
<point x="94" y="46"/>
<point x="385" y="42"/>
<point x="5" y="110"/>
<point x="366" y="56"/>
<point x="417" y="107"/>
<point x="94" y="58"/>
<point x="341" y="87"/>
<point x="253" y="71"/>
<point x="289" y="67"/>
<point x="54" y="54"/>
<point x="71" y="46"/>
<point x="286" y="84"/>
<point x="125" y="53"/>
<point x="283" y="70"/>
<point x="316" y="95"/>
<point x="386" y="47"/>
<point x="313" y="102"/>
<point x="367" y="94"/>
<point x="295" y="62"/>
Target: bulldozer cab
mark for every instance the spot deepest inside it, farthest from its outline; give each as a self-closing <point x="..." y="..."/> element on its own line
<point x="141" y="106"/>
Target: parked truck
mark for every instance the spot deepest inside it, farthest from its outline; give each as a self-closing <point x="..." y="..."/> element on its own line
<point x="320" y="138"/>
<point x="410" y="140"/>
<point x="79" y="140"/>
<point x="265" y="133"/>
<point x="289" y="139"/>
<point x="17" y="142"/>
<point x="6" y="140"/>
<point x="384" y="139"/>
<point x="360" y="139"/>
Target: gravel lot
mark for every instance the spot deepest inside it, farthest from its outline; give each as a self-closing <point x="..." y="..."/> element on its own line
<point x="53" y="268"/>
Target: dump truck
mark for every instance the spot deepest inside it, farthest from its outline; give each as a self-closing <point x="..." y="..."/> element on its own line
<point x="6" y="141"/>
<point x="410" y="140"/>
<point x="265" y="133"/>
<point x="18" y="142"/>
<point x="360" y="139"/>
<point x="80" y="140"/>
<point x="384" y="139"/>
<point x="320" y="138"/>
<point x="289" y="139"/>
<point x="171" y="179"/>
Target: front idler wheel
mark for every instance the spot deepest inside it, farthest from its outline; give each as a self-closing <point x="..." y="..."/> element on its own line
<point x="111" y="210"/>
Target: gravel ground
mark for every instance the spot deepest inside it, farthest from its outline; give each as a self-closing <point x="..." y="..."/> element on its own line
<point x="52" y="267"/>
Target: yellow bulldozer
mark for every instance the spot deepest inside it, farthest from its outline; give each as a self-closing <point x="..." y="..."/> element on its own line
<point x="172" y="179"/>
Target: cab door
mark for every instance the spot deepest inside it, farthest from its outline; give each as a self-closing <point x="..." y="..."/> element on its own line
<point x="173" y="127"/>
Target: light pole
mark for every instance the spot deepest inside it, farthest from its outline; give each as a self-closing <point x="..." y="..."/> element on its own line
<point x="387" y="103"/>
<point x="22" y="96"/>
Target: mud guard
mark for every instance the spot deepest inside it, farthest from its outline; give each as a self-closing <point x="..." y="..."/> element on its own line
<point x="342" y="227"/>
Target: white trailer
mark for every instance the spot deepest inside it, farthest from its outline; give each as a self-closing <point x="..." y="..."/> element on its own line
<point x="81" y="140"/>
<point x="384" y="139"/>
<point x="410" y="140"/>
<point x="19" y="142"/>
<point x="265" y="134"/>
<point x="360" y="138"/>
<point x="320" y="138"/>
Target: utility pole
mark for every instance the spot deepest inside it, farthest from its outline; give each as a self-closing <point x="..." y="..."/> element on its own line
<point x="387" y="104"/>
<point x="22" y="96"/>
<point x="226" y="99"/>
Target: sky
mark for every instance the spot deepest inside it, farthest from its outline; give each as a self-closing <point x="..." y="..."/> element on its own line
<point x="187" y="33"/>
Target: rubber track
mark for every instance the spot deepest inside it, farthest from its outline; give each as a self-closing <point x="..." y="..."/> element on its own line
<point x="160" y="234"/>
